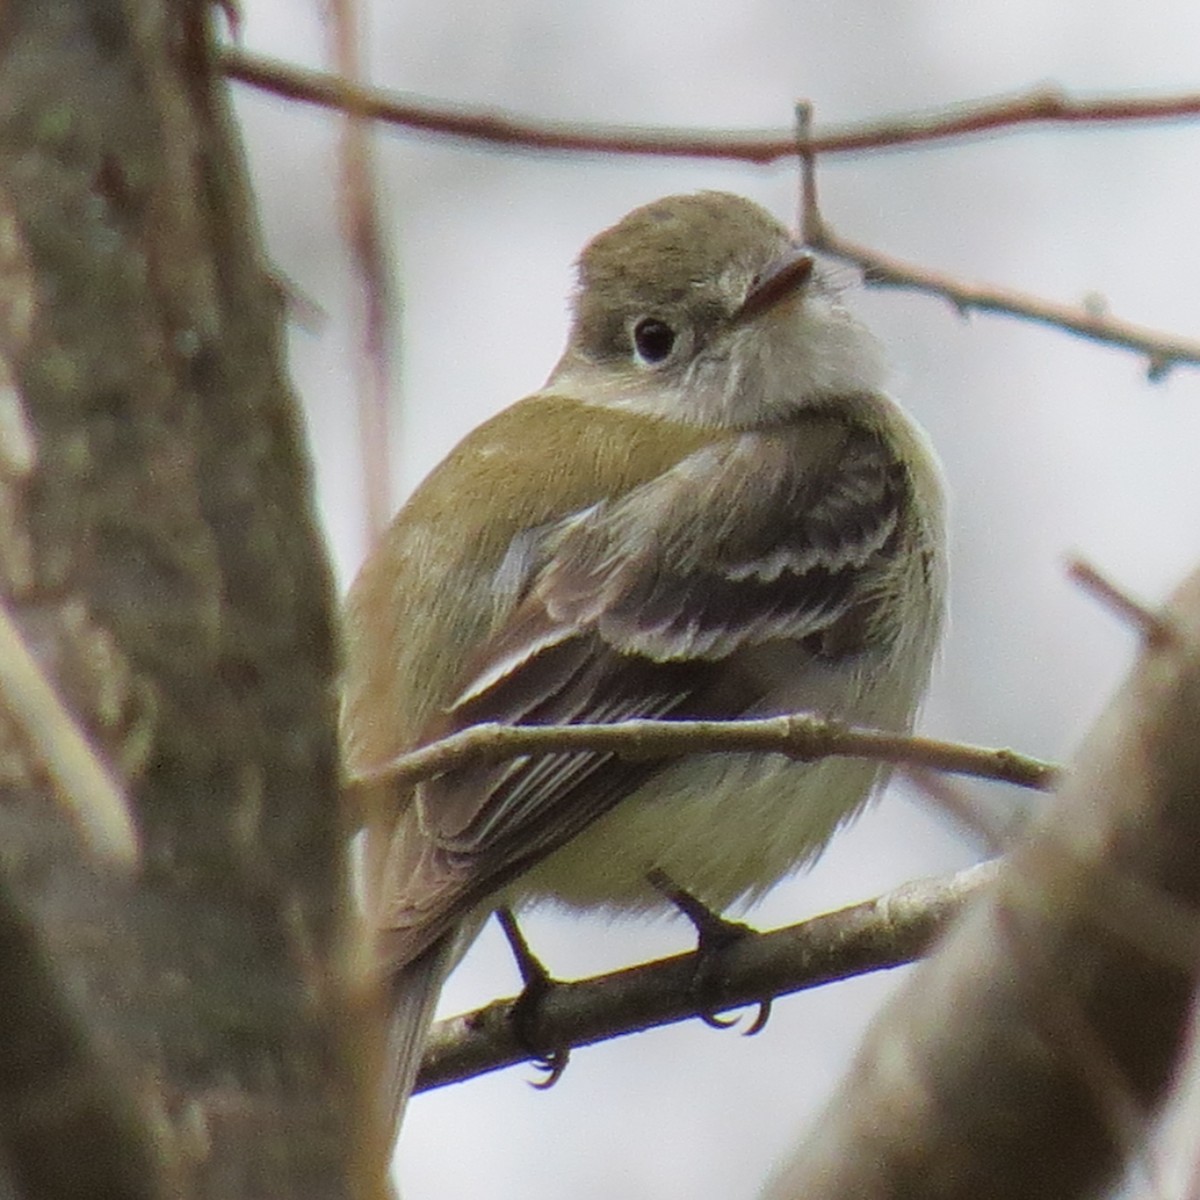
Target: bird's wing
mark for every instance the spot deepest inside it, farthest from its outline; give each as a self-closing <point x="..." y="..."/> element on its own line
<point x="651" y="606"/>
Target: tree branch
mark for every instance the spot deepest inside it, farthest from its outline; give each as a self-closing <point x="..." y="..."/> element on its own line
<point x="1028" y="1056"/>
<point x="366" y="238"/>
<point x="1161" y="350"/>
<point x="800" y="736"/>
<point x="58" y="1092"/>
<point x="1155" y="628"/>
<point x="872" y="936"/>
<point x="1043" y="106"/>
<point x="56" y="742"/>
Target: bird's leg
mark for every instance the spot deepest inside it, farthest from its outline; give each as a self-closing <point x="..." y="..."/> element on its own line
<point x="714" y="935"/>
<point x="537" y="983"/>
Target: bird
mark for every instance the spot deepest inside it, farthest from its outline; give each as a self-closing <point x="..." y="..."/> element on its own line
<point x="712" y="509"/>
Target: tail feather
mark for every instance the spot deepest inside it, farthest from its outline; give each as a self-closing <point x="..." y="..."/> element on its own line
<point x="414" y="991"/>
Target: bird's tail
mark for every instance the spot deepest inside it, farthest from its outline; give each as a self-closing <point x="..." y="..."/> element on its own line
<point x="413" y="996"/>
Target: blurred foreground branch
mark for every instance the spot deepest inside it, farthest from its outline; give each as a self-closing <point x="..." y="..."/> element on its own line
<point x="1029" y="1055"/>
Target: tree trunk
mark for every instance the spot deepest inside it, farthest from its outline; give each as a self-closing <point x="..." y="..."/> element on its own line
<point x="173" y="1028"/>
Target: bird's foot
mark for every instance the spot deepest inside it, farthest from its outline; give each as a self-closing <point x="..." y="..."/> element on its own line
<point x="537" y="984"/>
<point x="714" y="935"/>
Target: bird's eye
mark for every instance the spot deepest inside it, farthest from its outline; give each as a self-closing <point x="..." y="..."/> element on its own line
<point x="653" y="340"/>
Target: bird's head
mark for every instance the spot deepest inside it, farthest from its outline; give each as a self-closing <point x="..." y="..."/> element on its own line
<point x="703" y="308"/>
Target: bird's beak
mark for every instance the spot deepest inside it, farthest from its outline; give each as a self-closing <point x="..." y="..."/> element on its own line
<point x="779" y="279"/>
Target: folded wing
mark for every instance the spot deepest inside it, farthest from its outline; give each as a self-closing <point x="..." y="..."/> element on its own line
<point x="664" y="603"/>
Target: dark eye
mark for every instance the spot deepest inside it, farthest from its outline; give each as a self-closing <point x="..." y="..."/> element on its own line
<point x="653" y="340"/>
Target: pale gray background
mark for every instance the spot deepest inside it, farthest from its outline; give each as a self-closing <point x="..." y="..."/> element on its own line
<point x="1050" y="444"/>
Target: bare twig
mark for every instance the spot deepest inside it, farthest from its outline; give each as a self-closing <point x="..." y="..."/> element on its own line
<point x="1155" y="627"/>
<point x="798" y="735"/>
<point x="1039" y="107"/>
<point x="60" y="746"/>
<point x="1162" y="350"/>
<point x="950" y="799"/>
<point x="878" y="934"/>
<point x="367" y="242"/>
<point x="810" y="209"/>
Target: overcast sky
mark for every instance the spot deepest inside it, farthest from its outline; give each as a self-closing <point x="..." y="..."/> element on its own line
<point x="1051" y="445"/>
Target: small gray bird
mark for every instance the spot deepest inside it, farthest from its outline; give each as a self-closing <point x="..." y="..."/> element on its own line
<point x="710" y="510"/>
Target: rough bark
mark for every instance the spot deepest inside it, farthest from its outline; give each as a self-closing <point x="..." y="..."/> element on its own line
<point x="159" y="556"/>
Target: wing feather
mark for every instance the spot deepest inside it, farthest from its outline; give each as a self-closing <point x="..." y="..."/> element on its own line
<point x="654" y="606"/>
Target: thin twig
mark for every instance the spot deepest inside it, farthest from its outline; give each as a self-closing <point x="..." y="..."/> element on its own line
<point x="872" y="936"/>
<point x="1162" y="351"/>
<point x="61" y="747"/>
<point x="366" y="240"/>
<point x="950" y="799"/>
<point x="1042" y="106"/>
<point x="798" y="735"/>
<point x="810" y="209"/>
<point x="1155" y="628"/>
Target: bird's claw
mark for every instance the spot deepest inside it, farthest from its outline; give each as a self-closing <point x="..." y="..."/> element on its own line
<point x="554" y="1063"/>
<point x="713" y="1021"/>
<point x="759" y="1023"/>
<point x="714" y="934"/>
<point x="538" y="984"/>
